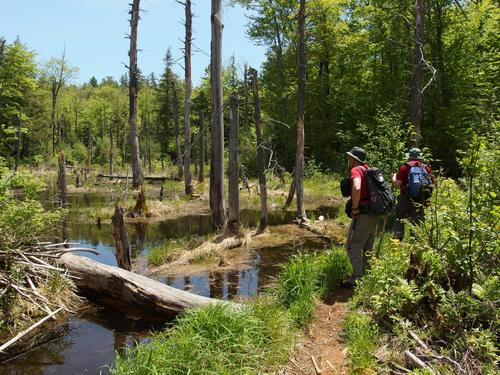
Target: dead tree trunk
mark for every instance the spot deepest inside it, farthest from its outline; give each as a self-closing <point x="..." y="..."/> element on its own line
<point x="134" y="141"/>
<point x="110" y="150"/>
<point x="245" y="89"/>
<point x="217" y="170"/>
<point x="418" y="73"/>
<point x="188" y="188"/>
<point x="291" y="192"/>
<point x="18" y="142"/>
<point x="178" y="153"/>
<point x="234" y="203"/>
<point x="63" y="193"/>
<point x="260" y="154"/>
<point x="61" y="181"/>
<point x="120" y="239"/>
<point x="299" y="163"/>
<point x="201" y="170"/>
<point x="89" y="151"/>
<point x="141" y="207"/>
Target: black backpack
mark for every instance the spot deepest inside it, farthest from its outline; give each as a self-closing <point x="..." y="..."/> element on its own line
<point x="380" y="192"/>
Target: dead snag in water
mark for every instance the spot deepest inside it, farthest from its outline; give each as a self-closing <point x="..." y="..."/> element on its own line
<point x="63" y="192"/>
<point x="233" y="224"/>
<point x="120" y="238"/>
<point x="202" y="147"/>
<point x="260" y="154"/>
<point x="137" y="175"/>
<point x="141" y="208"/>
<point x="217" y="201"/>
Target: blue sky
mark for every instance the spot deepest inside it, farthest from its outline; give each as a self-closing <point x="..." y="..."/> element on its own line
<point x="93" y="32"/>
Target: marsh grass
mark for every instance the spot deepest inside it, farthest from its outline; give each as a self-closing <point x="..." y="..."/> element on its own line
<point x="207" y="257"/>
<point x="164" y="253"/>
<point x="308" y="277"/>
<point x="361" y="334"/>
<point x="216" y="339"/>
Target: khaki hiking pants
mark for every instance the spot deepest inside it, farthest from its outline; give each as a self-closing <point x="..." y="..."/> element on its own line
<point x="360" y="238"/>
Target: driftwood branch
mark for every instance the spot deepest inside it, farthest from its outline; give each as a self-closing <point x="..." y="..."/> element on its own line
<point x="28" y="330"/>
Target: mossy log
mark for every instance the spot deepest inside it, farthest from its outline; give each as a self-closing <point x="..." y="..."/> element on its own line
<point x="119" y="288"/>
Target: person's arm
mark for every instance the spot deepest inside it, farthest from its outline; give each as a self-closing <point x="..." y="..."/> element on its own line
<point x="398" y="177"/>
<point x="395" y="182"/>
<point x="356" y="195"/>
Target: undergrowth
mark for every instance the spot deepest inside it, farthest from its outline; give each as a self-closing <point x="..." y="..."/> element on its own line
<point x="441" y="285"/>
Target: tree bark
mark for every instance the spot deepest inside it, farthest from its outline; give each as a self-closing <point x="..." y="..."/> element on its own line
<point x="110" y="150"/>
<point x="291" y="192"/>
<point x="201" y="170"/>
<point x="18" y="142"/>
<point x="120" y="239"/>
<point x="178" y="153"/>
<point x="245" y="89"/>
<point x="217" y="123"/>
<point x="260" y="154"/>
<point x="63" y="193"/>
<point x="299" y="163"/>
<point x="121" y="288"/>
<point x="137" y="179"/>
<point x="188" y="188"/>
<point x="234" y="204"/>
<point x="418" y="73"/>
<point x="89" y="151"/>
<point x="61" y="181"/>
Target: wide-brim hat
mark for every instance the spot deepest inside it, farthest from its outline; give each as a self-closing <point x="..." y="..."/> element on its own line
<point x="357" y="153"/>
<point x="414" y="154"/>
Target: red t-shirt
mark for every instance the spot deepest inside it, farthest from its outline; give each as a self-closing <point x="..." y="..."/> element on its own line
<point x="404" y="172"/>
<point x="360" y="173"/>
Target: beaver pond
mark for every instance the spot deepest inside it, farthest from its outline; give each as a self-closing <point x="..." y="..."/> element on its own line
<point x="86" y="342"/>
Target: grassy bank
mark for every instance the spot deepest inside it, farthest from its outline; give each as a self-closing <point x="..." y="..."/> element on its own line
<point x="258" y="338"/>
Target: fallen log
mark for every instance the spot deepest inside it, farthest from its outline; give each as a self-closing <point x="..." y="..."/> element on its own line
<point x="120" y="288"/>
<point x="147" y="178"/>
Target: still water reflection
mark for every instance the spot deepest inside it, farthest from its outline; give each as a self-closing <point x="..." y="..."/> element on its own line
<point x="88" y="341"/>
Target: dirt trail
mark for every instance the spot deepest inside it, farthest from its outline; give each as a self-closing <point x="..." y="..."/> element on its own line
<point x="323" y="340"/>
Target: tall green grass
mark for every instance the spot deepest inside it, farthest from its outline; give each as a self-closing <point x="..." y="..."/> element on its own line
<point x="308" y="277"/>
<point x="216" y="340"/>
<point x="361" y="334"/>
<point x="256" y="339"/>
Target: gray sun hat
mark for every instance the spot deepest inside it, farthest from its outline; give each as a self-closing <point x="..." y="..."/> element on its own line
<point x="357" y="153"/>
<point x="414" y="154"/>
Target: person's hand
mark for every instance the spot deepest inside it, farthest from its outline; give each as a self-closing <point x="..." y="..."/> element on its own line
<point x="355" y="212"/>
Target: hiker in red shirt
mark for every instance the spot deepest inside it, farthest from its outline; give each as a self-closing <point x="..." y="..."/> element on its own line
<point x="363" y="224"/>
<point x="411" y="201"/>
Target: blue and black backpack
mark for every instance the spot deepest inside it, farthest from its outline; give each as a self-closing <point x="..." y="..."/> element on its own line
<point x="419" y="182"/>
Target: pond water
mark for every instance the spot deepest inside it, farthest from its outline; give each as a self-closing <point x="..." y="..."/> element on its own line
<point x="89" y="339"/>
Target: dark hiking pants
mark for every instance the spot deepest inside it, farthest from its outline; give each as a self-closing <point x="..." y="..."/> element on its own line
<point x="406" y="208"/>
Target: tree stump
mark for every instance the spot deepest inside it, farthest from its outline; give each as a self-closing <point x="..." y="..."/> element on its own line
<point x="120" y="238"/>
